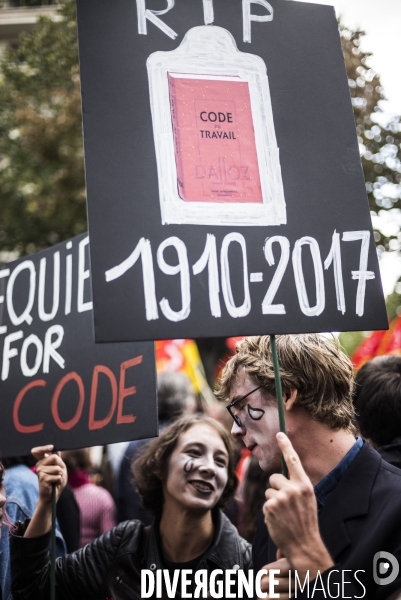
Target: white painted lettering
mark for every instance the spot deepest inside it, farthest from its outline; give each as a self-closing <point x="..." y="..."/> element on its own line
<point x="28" y="371"/>
<point x="153" y="17"/>
<point x="3" y="273"/>
<point x="68" y="284"/>
<point x="248" y="17"/>
<point x="25" y="315"/>
<point x="9" y="352"/>
<point x="43" y="315"/>
<point x="50" y="347"/>
<point x="83" y="274"/>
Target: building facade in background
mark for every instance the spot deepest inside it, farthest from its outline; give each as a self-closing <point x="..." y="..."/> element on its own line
<point x="17" y="16"/>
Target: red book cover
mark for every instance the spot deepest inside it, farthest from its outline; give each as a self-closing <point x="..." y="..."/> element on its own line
<point x="214" y="139"/>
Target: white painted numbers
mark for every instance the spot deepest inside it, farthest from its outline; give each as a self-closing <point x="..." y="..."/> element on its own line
<point x="245" y="308"/>
<point x="311" y="299"/>
<point x="209" y="259"/>
<point x="267" y="307"/>
<point x="307" y="309"/>
<point x="182" y="268"/>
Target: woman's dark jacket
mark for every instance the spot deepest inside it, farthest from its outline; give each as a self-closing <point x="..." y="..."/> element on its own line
<point x="110" y="567"/>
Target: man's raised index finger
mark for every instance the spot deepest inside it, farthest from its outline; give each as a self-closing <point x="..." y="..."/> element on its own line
<point x="295" y="468"/>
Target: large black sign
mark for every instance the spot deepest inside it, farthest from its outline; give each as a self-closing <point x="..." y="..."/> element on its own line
<point x="58" y="386"/>
<point x="225" y="189"/>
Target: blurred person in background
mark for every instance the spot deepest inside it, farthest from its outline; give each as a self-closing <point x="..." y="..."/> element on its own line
<point x="377" y="401"/>
<point x="185" y="476"/>
<point x="96" y="505"/>
<point x="176" y="397"/>
<point x="254" y="487"/>
<point x="20" y="485"/>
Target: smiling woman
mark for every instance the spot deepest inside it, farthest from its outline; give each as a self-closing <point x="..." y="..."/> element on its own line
<point x="186" y="443"/>
<point x="184" y="477"/>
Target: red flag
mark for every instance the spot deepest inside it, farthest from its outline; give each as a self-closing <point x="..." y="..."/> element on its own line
<point x="391" y="341"/>
<point x="367" y="349"/>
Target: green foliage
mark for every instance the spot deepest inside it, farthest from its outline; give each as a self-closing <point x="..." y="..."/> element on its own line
<point x="41" y="153"/>
<point x="380" y="147"/>
<point x="350" y="340"/>
<point x="393" y="302"/>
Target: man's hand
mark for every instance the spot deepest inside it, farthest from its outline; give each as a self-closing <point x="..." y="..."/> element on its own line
<point x="291" y="516"/>
<point x="283" y="587"/>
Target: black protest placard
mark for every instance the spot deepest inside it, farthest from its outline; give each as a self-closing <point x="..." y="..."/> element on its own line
<point x="225" y="188"/>
<point x="58" y="386"/>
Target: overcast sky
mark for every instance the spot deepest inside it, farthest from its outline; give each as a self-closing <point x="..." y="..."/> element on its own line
<point x="381" y="19"/>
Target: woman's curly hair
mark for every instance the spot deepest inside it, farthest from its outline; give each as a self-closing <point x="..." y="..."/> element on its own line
<point x="150" y="468"/>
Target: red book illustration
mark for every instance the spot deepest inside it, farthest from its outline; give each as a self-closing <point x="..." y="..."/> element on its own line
<point x="214" y="139"/>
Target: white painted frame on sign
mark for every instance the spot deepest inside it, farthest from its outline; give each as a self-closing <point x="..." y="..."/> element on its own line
<point x="212" y="51"/>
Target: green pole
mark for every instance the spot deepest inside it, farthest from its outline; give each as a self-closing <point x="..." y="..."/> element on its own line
<point x="279" y="396"/>
<point x="53" y="547"/>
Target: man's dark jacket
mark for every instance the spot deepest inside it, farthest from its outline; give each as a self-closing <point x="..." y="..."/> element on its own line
<point x="392" y="452"/>
<point x="110" y="567"/>
<point x="361" y="517"/>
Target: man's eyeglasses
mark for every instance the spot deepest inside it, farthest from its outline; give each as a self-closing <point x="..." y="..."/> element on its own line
<point x="255" y="413"/>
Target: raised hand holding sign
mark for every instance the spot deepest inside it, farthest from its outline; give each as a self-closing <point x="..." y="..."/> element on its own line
<point x="291" y="516"/>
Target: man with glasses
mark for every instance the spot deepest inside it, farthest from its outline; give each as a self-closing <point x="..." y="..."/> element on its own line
<point x="341" y="504"/>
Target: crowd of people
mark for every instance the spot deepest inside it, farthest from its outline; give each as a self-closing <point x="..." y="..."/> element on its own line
<point x="208" y="494"/>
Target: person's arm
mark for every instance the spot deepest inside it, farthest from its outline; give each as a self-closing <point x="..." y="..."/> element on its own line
<point x="291" y="517"/>
<point x="50" y="470"/>
<point x="79" y="575"/>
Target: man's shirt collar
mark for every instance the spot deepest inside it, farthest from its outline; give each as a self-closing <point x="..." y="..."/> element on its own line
<point x="326" y="486"/>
